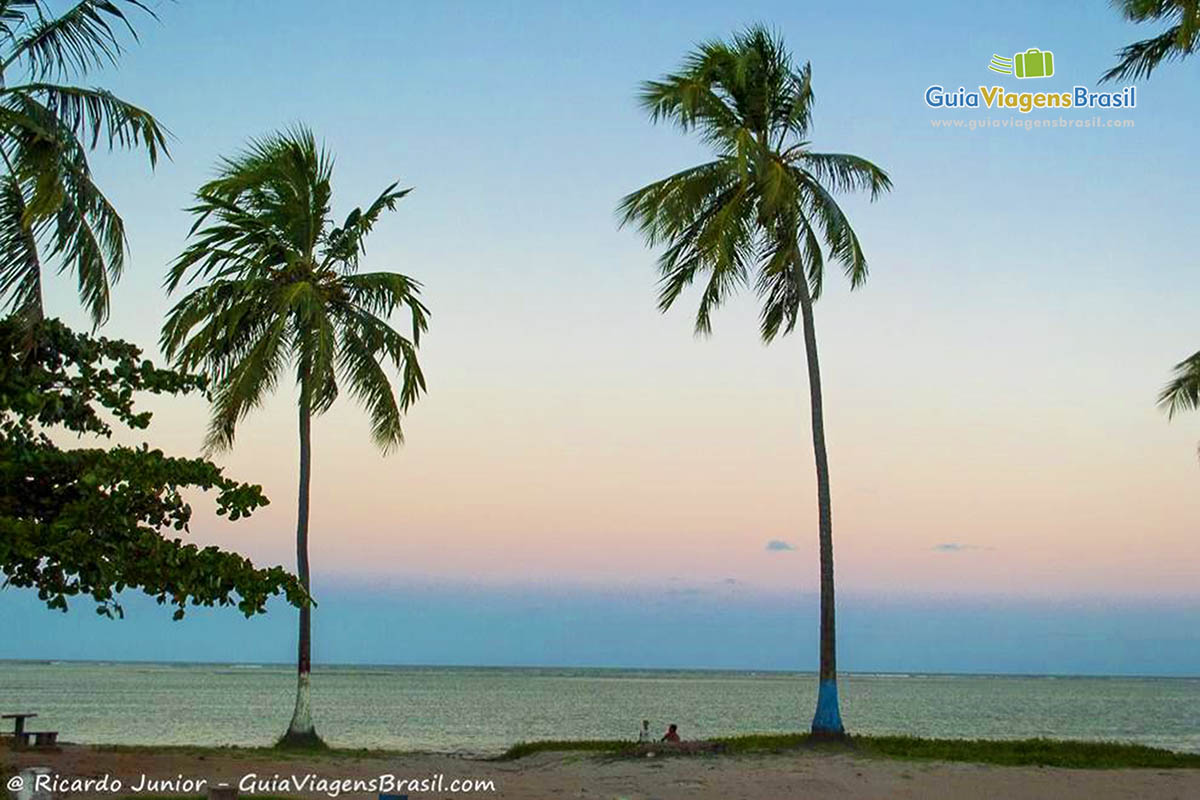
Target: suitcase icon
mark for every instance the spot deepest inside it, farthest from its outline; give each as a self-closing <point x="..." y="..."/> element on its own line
<point x="1034" y="63"/>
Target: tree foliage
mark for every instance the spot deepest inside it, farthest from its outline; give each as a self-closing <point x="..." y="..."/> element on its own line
<point x="280" y="291"/>
<point x="95" y="521"/>
<point x="1182" y="393"/>
<point x="1139" y="59"/>
<point x="763" y="210"/>
<point x="51" y="211"/>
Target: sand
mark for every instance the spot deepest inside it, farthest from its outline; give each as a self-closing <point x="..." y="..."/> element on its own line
<point x="565" y="775"/>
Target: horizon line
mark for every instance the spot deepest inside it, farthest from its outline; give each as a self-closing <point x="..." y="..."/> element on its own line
<point x="892" y="673"/>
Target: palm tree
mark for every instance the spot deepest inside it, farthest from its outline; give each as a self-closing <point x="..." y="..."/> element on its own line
<point x="50" y="208"/>
<point x="280" y="291"/>
<point x="763" y="208"/>
<point x="1139" y="59"/>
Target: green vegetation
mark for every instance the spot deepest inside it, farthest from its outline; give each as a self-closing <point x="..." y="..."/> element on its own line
<point x="90" y="521"/>
<point x="1012" y="753"/>
<point x="304" y="743"/>
<point x="1028" y="752"/>
<point x="598" y="746"/>
<point x="279" y="291"/>
<point x="1183" y="391"/>
<point x="49" y="206"/>
<point x="1139" y="59"/>
<point x="764" y="211"/>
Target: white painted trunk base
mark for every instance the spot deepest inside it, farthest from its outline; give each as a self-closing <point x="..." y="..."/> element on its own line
<point x="302" y="717"/>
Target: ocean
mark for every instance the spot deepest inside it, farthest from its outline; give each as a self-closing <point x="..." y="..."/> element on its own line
<point x="475" y="710"/>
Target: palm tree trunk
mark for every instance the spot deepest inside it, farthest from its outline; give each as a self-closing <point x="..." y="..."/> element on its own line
<point x="301" y="731"/>
<point x="827" y="722"/>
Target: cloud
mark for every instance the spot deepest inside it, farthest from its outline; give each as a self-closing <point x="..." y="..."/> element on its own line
<point x="717" y="588"/>
<point x="779" y="545"/>
<point x="955" y="547"/>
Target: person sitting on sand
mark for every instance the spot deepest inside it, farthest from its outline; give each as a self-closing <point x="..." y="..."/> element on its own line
<point x="672" y="734"/>
<point x="644" y="733"/>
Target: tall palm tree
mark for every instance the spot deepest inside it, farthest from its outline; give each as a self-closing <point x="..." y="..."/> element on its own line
<point x="50" y="207"/>
<point x="1139" y="59"/>
<point x="279" y="290"/>
<point x="762" y="209"/>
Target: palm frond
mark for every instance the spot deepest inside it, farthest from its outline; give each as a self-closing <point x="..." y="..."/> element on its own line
<point x="15" y="17"/>
<point x="842" y="172"/>
<point x="1140" y="59"/>
<point x="779" y="287"/>
<point x="665" y="208"/>
<point x="84" y="232"/>
<point x="214" y="326"/>
<point x="1183" y="391"/>
<point x="315" y="343"/>
<point x="840" y="239"/>
<point x="20" y="266"/>
<point x="91" y="254"/>
<point x="718" y="241"/>
<point x="390" y="345"/>
<point x="344" y="245"/>
<point x="696" y="98"/>
<point x="382" y="293"/>
<point x="241" y="238"/>
<point x="247" y="385"/>
<point x="98" y="114"/>
<point x="80" y="39"/>
<point x="796" y="106"/>
<point x="365" y="342"/>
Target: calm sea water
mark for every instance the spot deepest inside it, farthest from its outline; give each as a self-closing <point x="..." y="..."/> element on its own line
<point x="474" y="710"/>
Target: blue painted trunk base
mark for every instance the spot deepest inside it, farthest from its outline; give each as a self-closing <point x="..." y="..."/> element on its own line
<point x="828" y="718"/>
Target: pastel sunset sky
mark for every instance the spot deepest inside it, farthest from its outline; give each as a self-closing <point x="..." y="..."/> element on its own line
<point x="990" y="393"/>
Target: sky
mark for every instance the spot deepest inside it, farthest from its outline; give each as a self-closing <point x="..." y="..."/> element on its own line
<point x="998" y="463"/>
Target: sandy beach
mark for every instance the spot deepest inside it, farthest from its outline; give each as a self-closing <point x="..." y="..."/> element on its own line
<point x="572" y="775"/>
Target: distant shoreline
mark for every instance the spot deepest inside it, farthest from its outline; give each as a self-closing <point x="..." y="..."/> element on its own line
<point x="596" y="669"/>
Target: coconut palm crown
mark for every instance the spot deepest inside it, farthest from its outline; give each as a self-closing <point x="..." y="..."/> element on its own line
<point x="281" y="290"/>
